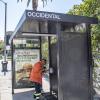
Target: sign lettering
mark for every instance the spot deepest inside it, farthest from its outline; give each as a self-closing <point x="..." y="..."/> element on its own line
<point x="43" y="15"/>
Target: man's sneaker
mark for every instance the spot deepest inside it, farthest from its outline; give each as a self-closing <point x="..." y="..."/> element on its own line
<point x="37" y="98"/>
<point x="34" y="96"/>
<point x="37" y="94"/>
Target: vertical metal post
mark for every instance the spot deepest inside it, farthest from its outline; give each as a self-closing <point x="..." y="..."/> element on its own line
<point x="58" y="31"/>
<point x="5" y="32"/>
<point x="40" y="40"/>
<point x="13" y="69"/>
<point x="40" y="49"/>
<point x="90" y="61"/>
<point x="49" y="48"/>
<point x="4" y="63"/>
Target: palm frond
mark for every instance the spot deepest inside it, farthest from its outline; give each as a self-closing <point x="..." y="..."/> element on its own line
<point x="46" y="2"/>
<point x="28" y="2"/>
<point x="17" y="0"/>
<point x="35" y="2"/>
<point x="43" y="2"/>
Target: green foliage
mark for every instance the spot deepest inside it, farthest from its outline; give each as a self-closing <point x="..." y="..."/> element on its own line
<point x="86" y="8"/>
<point x="1" y="46"/>
<point x="45" y="52"/>
<point x="96" y="37"/>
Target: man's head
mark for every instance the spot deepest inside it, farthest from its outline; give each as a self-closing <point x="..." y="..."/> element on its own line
<point x="43" y="61"/>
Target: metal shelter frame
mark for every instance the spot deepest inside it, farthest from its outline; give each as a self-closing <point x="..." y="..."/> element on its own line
<point x="58" y="18"/>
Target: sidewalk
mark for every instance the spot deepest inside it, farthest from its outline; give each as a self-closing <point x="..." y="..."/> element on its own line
<point x="27" y="93"/>
<point x="6" y="90"/>
<point x="23" y="94"/>
<point x="5" y="87"/>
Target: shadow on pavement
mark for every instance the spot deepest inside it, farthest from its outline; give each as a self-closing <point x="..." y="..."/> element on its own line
<point x="23" y="96"/>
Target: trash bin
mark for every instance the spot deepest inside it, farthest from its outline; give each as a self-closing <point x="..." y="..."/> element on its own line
<point x="4" y="66"/>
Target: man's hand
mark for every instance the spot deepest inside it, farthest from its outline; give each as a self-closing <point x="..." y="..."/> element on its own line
<point x="44" y="70"/>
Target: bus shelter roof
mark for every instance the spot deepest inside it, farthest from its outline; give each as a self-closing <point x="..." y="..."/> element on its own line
<point x="30" y="18"/>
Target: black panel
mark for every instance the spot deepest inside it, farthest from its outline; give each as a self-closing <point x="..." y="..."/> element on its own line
<point x="73" y="68"/>
<point x="51" y="27"/>
<point x="53" y="77"/>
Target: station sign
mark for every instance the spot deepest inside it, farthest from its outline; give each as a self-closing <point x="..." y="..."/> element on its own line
<point x="43" y="15"/>
<point x="59" y="17"/>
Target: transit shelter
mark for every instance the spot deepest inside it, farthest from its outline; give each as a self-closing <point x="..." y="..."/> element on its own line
<point x="65" y="41"/>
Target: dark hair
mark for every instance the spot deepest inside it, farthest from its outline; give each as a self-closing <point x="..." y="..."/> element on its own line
<point x="44" y="60"/>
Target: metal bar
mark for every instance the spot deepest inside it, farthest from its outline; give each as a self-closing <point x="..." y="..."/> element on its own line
<point x="27" y="38"/>
<point x="90" y="61"/>
<point x="5" y="25"/>
<point x="49" y="46"/>
<point x="40" y="44"/>
<point x="42" y="34"/>
<point x="29" y="48"/>
<point x="40" y="48"/>
<point x="12" y="65"/>
<point x="36" y="32"/>
<point x="4" y="63"/>
<point x="5" y="32"/>
<point x="2" y="1"/>
<point x="58" y="28"/>
<point x="19" y="25"/>
<point x="30" y="34"/>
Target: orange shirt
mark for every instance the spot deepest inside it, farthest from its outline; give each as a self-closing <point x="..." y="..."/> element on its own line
<point x="36" y="73"/>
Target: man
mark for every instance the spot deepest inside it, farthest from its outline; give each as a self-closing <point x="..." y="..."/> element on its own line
<point x="36" y="76"/>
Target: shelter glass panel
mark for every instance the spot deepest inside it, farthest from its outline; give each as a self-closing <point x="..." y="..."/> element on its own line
<point x="24" y="61"/>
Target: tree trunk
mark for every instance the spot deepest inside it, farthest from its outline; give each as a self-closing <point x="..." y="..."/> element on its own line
<point x="34" y="4"/>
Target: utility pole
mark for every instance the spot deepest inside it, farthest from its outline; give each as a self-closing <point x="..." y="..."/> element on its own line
<point x="4" y="63"/>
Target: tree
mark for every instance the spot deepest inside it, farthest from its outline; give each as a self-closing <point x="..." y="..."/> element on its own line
<point x="86" y="8"/>
<point x="34" y="3"/>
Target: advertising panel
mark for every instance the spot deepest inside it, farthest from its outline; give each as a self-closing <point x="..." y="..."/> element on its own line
<point x="24" y="60"/>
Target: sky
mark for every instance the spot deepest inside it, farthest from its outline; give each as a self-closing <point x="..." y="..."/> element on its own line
<point x="15" y="11"/>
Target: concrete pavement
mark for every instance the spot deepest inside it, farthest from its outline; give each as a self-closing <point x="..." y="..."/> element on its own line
<point x="6" y="90"/>
<point x="5" y="83"/>
<point x="5" y="87"/>
<point x="27" y="93"/>
<point x="23" y="94"/>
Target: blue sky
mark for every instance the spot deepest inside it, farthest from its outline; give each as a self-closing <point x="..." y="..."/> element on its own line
<point x="15" y="11"/>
